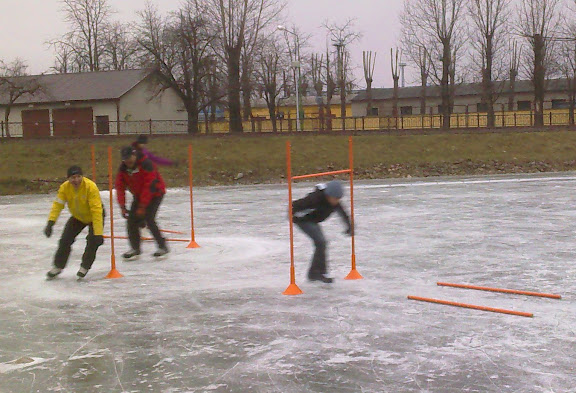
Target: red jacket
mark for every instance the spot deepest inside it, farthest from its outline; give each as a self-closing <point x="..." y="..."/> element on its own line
<point x="144" y="182"/>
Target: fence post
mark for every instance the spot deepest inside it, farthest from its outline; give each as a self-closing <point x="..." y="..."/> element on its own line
<point x="2" y="126"/>
<point x="150" y="126"/>
<point x="550" y="117"/>
<point x="363" y="123"/>
<point x="515" y="120"/>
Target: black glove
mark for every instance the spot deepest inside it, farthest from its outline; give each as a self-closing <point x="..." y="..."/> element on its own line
<point x="48" y="229"/>
<point x="349" y="231"/>
<point x="124" y="212"/>
<point x="98" y="240"/>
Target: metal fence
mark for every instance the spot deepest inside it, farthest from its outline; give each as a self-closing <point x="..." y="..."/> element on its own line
<point x="262" y="125"/>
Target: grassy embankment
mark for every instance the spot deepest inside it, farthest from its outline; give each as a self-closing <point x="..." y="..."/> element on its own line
<point x="262" y="160"/>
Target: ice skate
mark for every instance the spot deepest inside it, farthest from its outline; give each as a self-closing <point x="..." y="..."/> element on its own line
<point x="162" y="251"/>
<point x="131" y="255"/>
<point x="51" y="275"/>
<point x="82" y="273"/>
<point x="320" y="277"/>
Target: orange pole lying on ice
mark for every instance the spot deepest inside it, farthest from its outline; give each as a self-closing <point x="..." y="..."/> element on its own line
<point x="173" y="232"/>
<point x="292" y="289"/>
<point x="93" y="153"/>
<point x="113" y="272"/>
<point x="353" y="275"/>
<point x="146" y="238"/>
<point x="192" y="243"/>
<point x="489" y="289"/>
<point x="464" y="305"/>
<point x="321" y="174"/>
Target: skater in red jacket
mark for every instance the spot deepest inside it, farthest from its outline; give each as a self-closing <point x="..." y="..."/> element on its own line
<point x="139" y="175"/>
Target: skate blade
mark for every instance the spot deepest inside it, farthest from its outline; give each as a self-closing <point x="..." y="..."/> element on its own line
<point x="134" y="258"/>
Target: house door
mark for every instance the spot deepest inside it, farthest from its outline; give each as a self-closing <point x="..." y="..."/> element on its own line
<point x="102" y="125"/>
<point x="36" y="123"/>
<point x="75" y="122"/>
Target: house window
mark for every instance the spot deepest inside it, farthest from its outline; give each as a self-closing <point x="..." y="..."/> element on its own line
<point x="405" y="110"/>
<point x="374" y="111"/>
<point x="560" y="104"/>
<point x="524" y="105"/>
<point x="482" y="107"/>
<point x="440" y="108"/>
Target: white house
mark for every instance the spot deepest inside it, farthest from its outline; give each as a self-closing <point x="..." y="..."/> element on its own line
<point x="93" y="103"/>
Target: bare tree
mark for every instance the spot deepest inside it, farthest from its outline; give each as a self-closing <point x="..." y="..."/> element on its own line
<point x="317" y="73"/>
<point x="179" y="48"/>
<point x="269" y="66"/>
<point x="395" y="61"/>
<point x="438" y="26"/>
<point x="342" y="36"/>
<point x="14" y="84"/>
<point x="87" y="20"/>
<point x="119" y="47"/>
<point x="490" y="18"/>
<point x="514" y="66"/>
<point x="239" y="21"/>
<point x="369" y="63"/>
<point x="538" y="23"/>
<point x="331" y="75"/>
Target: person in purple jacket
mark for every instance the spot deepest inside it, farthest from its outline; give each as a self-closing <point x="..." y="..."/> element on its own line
<point x="140" y="146"/>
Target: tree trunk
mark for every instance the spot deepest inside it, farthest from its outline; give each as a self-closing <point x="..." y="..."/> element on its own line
<point x="6" y="120"/>
<point x="512" y="93"/>
<point x="488" y="85"/>
<point x="272" y="112"/>
<point x="369" y="97"/>
<point x="539" y="80"/>
<point x="395" y="94"/>
<point x="423" y="95"/>
<point x="445" y="85"/>
<point x="234" y="106"/>
<point x="193" y="113"/>
<point x="246" y="95"/>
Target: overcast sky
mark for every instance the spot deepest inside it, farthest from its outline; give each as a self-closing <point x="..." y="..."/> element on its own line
<point x="27" y="26"/>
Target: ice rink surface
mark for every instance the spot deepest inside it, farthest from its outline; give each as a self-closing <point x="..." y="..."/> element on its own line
<point x="214" y="320"/>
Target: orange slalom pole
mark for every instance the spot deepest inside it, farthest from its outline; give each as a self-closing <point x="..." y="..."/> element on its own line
<point x="113" y="272"/>
<point x="321" y="174"/>
<point x="489" y="289"/>
<point x="464" y="305"/>
<point x="93" y="151"/>
<point x="354" y="274"/>
<point x="146" y="238"/>
<point x="192" y="243"/>
<point x="292" y="289"/>
<point x="172" y="232"/>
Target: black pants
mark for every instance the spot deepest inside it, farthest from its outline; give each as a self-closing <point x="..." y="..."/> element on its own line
<point x="71" y="231"/>
<point x="313" y="230"/>
<point x="134" y="223"/>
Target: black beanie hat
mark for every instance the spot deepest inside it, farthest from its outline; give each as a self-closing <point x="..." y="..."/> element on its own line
<point x="127" y="152"/>
<point x="74" y="170"/>
<point x="142" y="139"/>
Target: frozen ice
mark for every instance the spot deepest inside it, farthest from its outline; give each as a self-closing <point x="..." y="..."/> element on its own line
<point x="214" y="319"/>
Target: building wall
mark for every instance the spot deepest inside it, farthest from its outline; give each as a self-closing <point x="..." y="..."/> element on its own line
<point x="135" y="108"/>
<point x="140" y="104"/>
<point x="462" y="104"/>
<point x="100" y="108"/>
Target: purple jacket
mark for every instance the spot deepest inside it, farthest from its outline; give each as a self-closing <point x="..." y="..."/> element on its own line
<point x="155" y="159"/>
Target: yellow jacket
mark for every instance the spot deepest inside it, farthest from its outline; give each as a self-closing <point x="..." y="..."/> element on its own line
<point x="84" y="204"/>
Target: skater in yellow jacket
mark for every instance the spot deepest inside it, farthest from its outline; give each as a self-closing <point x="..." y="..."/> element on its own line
<point x="83" y="199"/>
